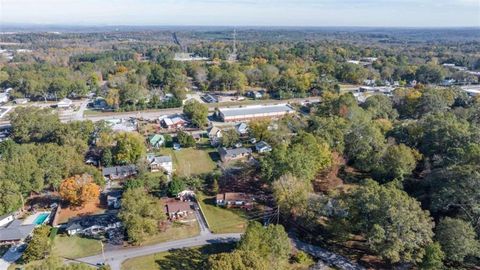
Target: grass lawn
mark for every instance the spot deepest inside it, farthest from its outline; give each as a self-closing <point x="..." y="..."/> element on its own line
<point x="175" y="232"/>
<point x="222" y="220"/>
<point x="191" y="161"/>
<point x="185" y="259"/>
<point x="15" y="266"/>
<point x="75" y="247"/>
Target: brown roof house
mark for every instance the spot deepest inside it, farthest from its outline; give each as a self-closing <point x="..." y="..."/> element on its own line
<point x="235" y="200"/>
<point x="227" y="155"/>
<point x="177" y="209"/>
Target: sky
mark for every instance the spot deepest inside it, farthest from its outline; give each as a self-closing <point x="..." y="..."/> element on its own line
<point x="384" y="13"/>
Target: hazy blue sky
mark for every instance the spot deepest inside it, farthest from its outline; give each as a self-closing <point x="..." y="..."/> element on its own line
<point x="244" y="12"/>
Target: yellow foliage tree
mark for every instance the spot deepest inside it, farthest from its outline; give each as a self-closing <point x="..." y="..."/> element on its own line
<point x="79" y="189"/>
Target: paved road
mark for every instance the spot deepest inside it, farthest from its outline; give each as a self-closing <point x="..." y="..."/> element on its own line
<point x="115" y="257"/>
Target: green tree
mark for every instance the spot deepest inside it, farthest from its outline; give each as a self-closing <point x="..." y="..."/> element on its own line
<point x="196" y="112"/>
<point x="185" y="139"/>
<point x="380" y="106"/>
<point x="175" y="186"/>
<point x="291" y="193"/>
<point x="34" y="124"/>
<point x="238" y="260"/>
<point x="271" y="243"/>
<point x="393" y="224"/>
<point x="229" y="137"/>
<point x="129" y="148"/>
<point x="364" y="145"/>
<point x="455" y="189"/>
<point x="304" y="157"/>
<point x="433" y="258"/>
<point x="397" y="161"/>
<point x="457" y="238"/>
<point x="141" y="214"/>
<point x="39" y="247"/>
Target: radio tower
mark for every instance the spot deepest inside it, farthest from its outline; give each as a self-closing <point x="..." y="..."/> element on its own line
<point x="234" y="41"/>
<point x="233" y="56"/>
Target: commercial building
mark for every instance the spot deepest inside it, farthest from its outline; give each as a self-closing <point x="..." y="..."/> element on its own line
<point x="254" y="112"/>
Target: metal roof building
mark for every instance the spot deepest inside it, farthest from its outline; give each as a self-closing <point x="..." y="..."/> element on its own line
<point x="253" y="112"/>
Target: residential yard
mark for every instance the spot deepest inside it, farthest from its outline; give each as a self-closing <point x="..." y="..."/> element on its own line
<point x="91" y="208"/>
<point x="222" y="220"/>
<point x="191" y="161"/>
<point x="75" y="247"/>
<point x="185" y="259"/>
<point x="175" y="232"/>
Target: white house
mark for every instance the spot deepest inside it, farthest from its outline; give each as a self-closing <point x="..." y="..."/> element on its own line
<point x="4" y="97"/>
<point x="159" y="163"/>
<point x="263" y="147"/>
<point x="242" y="129"/>
<point x="215" y="136"/>
<point x="64" y="103"/>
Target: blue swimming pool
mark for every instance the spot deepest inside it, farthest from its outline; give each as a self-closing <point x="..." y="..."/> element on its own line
<point x="41" y="218"/>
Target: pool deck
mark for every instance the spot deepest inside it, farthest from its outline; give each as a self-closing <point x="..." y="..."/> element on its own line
<point x="31" y="219"/>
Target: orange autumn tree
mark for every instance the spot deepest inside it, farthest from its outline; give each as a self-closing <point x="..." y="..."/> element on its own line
<point x="79" y="189"/>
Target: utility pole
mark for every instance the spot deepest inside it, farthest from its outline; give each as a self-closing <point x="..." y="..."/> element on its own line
<point x="278" y="214"/>
<point x="103" y="253"/>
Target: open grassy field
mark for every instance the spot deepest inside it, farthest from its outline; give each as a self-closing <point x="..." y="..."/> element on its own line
<point x="191" y="161"/>
<point x="222" y="220"/>
<point x="175" y="232"/>
<point x="185" y="259"/>
<point x="75" y="246"/>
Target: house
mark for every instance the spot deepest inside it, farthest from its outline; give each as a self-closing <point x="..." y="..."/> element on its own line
<point x="235" y="199"/>
<point x="19" y="101"/>
<point x="119" y="172"/>
<point x="5" y="219"/>
<point x="160" y="163"/>
<point x="114" y="199"/>
<point x="210" y="98"/>
<point x="177" y="209"/>
<point x="156" y="140"/>
<point x="173" y="122"/>
<point x="13" y="230"/>
<point x="186" y="195"/>
<point x="262" y="147"/>
<point x="122" y="125"/>
<point x="64" y="103"/>
<point x="93" y="225"/>
<point x="242" y="129"/>
<point x="215" y="136"/>
<point x="254" y="112"/>
<point x="4" y="97"/>
<point x="227" y="155"/>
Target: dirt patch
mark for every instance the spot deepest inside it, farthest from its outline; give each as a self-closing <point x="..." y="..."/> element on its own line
<point x="91" y="208"/>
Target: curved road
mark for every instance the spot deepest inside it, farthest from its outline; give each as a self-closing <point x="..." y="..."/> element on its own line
<point x="115" y="258"/>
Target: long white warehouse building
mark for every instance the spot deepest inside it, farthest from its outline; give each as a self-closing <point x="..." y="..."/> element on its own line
<point x="254" y="112"/>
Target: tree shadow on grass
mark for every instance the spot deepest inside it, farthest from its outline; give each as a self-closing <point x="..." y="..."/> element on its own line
<point x="192" y="258"/>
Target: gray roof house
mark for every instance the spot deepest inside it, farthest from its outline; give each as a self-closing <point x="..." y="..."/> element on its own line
<point x="14" y="230"/>
<point x="234" y="153"/>
<point x="119" y="172"/>
<point x="159" y="163"/>
<point x="262" y="147"/>
<point x="93" y="225"/>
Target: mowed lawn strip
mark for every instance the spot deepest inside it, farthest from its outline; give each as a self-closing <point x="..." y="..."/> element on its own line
<point x="185" y="259"/>
<point x="73" y="247"/>
<point x="222" y="220"/>
<point x="191" y="161"/>
<point x="175" y="232"/>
